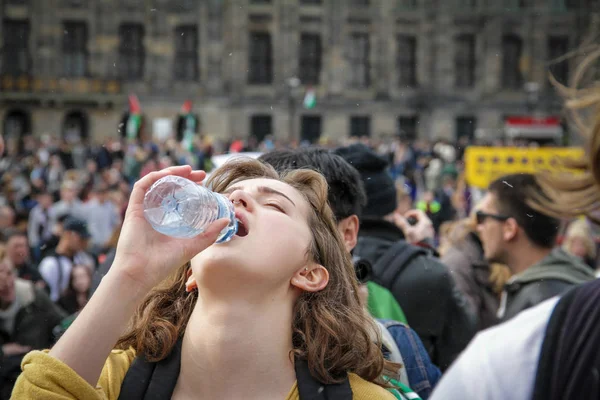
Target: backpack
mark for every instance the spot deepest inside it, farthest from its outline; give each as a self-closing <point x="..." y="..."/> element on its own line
<point x="156" y="380"/>
<point x="398" y="256"/>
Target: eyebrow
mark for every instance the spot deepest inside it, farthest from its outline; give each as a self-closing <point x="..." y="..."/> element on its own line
<point x="261" y="189"/>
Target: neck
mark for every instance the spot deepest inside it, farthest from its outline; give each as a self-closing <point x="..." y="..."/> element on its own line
<point x="233" y="349"/>
<point x="524" y="256"/>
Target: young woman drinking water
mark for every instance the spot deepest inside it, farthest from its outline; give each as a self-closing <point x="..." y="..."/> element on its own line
<point x="272" y="314"/>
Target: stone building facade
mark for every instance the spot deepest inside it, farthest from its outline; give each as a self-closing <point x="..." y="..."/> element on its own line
<point x="426" y="68"/>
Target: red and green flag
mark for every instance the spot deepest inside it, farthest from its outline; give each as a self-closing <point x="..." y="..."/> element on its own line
<point x="310" y="98"/>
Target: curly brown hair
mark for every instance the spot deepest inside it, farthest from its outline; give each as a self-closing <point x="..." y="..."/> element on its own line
<point x="331" y="330"/>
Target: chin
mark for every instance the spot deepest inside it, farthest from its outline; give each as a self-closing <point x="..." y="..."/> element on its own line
<point x="209" y="260"/>
<point x="493" y="259"/>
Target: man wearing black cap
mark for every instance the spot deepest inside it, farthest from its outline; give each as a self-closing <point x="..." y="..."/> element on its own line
<point x="421" y="284"/>
<point x="56" y="268"/>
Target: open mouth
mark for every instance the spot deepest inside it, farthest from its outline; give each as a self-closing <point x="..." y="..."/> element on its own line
<point x="241" y="230"/>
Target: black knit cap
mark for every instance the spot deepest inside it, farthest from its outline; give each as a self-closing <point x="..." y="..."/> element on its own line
<point x="379" y="185"/>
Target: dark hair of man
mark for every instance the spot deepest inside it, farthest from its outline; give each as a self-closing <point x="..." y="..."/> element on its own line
<point x="346" y="193"/>
<point x="512" y="200"/>
<point x="14" y="232"/>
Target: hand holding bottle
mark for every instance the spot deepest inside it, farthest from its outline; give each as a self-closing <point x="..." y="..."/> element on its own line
<point x="145" y="257"/>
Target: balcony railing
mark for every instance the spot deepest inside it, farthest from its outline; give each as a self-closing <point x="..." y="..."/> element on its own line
<point x="28" y="84"/>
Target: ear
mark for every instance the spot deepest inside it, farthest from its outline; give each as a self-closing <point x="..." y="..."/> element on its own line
<point x="190" y="284"/>
<point x="348" y="228"/>
<point x="312" y="278"/>
<point x="510" y="229"/>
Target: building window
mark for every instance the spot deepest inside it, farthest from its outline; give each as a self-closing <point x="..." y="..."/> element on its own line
<point x="260" y="59"/>
<point x="407" y="5"/>
<point x="406" y="60"/>
<point x="513" y="5"/>
<point x="75" y="127"/>
<point x="310" y="2"/>
<point x="131" y="51"/>
<point x="310" y="128"/>
<point x="360" y="126"/>
<point x="578" y="5"/>
<point x="360" y="65"/>
<point x="261" y="126"/>
<point x="511" y="57"/>
<point x="558" y="46"/>
<point x="76" y="3"/>
<point x="408" y="127"/>
<point x="464" y="61"/>
<point x="465" y="127"/>
<point x="15" y="50"/>
<point x="310" y="58"/>
<point x="74" y="49"/>
<point x="186" y="53"/>
<point x="359" y="3"/>
<point x="17" y="124"/>
<point x="468" y="4"/>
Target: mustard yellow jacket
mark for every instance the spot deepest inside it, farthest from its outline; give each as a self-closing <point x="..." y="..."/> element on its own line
<point x="46" y="378"/>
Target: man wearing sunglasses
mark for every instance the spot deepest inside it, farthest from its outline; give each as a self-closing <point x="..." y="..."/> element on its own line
<point x="514" y="234"/>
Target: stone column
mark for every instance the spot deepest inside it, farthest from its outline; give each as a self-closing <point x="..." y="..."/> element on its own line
<point x="215" y="51"/>
<point x="285" y="39"/>
<point x="384" y="42"/>
<point x="159" y="43"/>
<point x="334" y="59"/>
<point x="47" y="33"/>
<point x="236" y="38"/>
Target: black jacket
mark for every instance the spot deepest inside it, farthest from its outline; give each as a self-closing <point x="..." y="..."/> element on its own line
<point x="425" y="290"/>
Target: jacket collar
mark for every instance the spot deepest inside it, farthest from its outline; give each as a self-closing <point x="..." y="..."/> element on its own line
<point x="381" y="229"/>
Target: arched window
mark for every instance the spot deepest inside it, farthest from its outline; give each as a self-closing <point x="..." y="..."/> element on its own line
<point x="17" y="124"/>
<point x="75" y="126"/>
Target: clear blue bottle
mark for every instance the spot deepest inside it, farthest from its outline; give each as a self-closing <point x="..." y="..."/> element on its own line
<point x="180" y="208"/>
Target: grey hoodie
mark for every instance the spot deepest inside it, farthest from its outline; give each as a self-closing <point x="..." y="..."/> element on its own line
<point x="552" y="276"/>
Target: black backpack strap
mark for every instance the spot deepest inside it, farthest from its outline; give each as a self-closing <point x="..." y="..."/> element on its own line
<point x="310" y="388"/>
<point x="156" y="381"/>
<point x="394" y="260"/>
<point x="569" y="360"/>
<point x="137" y="379"/>
<point x="152" y="381"/>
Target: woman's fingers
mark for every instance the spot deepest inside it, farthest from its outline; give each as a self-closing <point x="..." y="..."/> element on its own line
<point x="207" y="238"/>
<point x="197" y="176"/>
<point x="141" y="186"/>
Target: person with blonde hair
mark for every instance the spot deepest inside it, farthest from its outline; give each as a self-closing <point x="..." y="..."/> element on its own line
<point x="579" y="241"/>
<point x="480" y="282"/>
<point x="274" y="313"/>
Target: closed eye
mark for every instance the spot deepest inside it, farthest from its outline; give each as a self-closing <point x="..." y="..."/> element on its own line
<point x="276" y="206"/>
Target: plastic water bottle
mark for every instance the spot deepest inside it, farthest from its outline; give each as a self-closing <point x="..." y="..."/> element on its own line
<point x="180" y="208"/>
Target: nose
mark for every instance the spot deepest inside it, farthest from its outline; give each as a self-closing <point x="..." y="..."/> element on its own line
<point x="479" y="227"/>
<point x="241" y="198"/>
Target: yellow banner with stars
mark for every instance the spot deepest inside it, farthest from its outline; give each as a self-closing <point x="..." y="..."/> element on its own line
<point x="485" y="164"/>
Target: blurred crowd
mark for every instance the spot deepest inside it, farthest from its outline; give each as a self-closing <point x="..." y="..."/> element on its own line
<point x="62" y="204"/>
